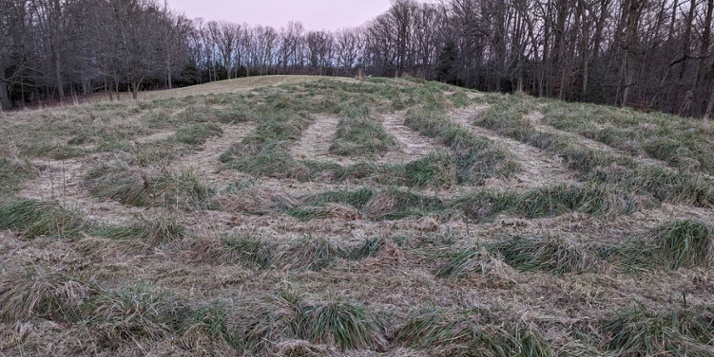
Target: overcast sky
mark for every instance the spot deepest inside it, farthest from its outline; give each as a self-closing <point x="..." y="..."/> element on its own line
<point x="314" y="14"/>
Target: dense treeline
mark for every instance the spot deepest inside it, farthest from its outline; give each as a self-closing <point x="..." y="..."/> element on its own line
<point x="652" y="54"/>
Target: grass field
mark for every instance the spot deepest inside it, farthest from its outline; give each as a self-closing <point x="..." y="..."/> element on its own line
<point x="304" y="216"/>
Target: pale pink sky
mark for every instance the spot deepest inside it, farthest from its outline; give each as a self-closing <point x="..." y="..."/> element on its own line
<point x="314" y="14"/>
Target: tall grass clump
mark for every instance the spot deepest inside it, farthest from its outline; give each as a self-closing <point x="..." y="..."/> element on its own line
<point x="13" y="173"/>
<point x="359" y="134"/>
<point x="547" y="202"/>
<point x="197" y="134"/>
<point x="251" y="252"/>
<point x="369" y="248"/>
<point x="470" y="333"/>
<point x="134" y="314"/>
<point x="152" y="231"/>
<point x="678" y="244"/>
<point x="135" y="186"/>
<point x="551" y="254"/>
<point x="286" y="317"/>
<point x="477" y="159"/>
<point x="643" y="179"/>
<point x="396" y="204"/>
<point x="121" y="183"/>
<point x="268" y="321"/>
<point x="265" y="151"/>
<point x="41" y="292"/>
<point x="356" y="199"/>
<point x="437" y="169"/>
<point x="638" y="331"/>
<point x="34" y="218"/>
<point x="471" y="260"/>
<point x="310" y="253"/>
<point x="345" y="325"/>
<point x="680" y="142"/>
<point x="205" y="325"/>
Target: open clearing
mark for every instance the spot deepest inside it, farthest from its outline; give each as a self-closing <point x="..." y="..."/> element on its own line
<point x="305" y="216"/>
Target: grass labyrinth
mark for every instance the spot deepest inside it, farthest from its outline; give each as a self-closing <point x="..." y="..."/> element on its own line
<point x="195" y="225"/>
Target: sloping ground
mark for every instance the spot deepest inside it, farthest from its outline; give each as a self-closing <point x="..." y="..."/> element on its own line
<point x="239" y="85"/>
<point x="61" y="181"/>
<point x="205" y="161"/>
<point x="316" y="140"/>
<point x="221" y="225"/>
<point x="412" y="146"/>
<point x="537" y="117"/>
<point x="539" y="168"/>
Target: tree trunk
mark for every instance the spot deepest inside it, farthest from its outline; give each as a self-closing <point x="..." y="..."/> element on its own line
<point x="710" y="107"/>
<point x="633" y="17"/>
<point x="4" y="98"/>
<point x="135" y="85"/>
<point x="686" y="39"/>
<point x="55" y="40"/>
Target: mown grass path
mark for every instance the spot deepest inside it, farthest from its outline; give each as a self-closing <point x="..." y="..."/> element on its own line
<point x="539" y="168"/>
<point x="412" y="145"/>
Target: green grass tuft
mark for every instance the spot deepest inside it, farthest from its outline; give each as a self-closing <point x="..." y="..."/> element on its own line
<point x="553" y="255"/>
<point x="369" y="248"/>
<point x="678" y="244"/>
<point x="135" y="186"/>
<point x="437" y="169"/>
<point x="136" y="313"/>
<point x="33" y="218"/>
<point x="638" y="331"/>
<point x="396" y="204"/>
<point x="344" y="325"/>
<point x="356" y="199"/>
<point x="470" y="333"/>
<point x="477" y="159"/>
<point x="41" y="292"/>
<point x="251" y="252"/>
<point x="469" y="261"/>
<point x="13" y="173"/>
<point x="197" y="134"/>
<point x="310" y="254"/>
<point x="358" y="134"/>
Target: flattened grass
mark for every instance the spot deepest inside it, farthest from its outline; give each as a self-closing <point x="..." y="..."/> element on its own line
<point x="470" y="332"/>
<point x="135" y="186"/>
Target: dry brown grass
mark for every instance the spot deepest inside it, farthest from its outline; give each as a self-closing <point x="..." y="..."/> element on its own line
<point x="304" y="264"/>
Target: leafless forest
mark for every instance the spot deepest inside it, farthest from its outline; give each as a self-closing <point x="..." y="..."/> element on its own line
<point x="653" y="55"/>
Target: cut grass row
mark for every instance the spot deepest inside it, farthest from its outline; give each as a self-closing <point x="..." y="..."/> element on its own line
<point x="143" y="314"/>
<point x="679" y="244"/>
<point x="33" y="218"/>
<point x="675" y="245"/>
<point x="476" y="158"/>
<point x="134" y="186"/>
<point x="681" y="142"/>
<point x="506" y="117"/>
<point x="478" y="206"/>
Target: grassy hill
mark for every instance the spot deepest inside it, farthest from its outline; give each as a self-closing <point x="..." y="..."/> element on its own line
<point x="303" y="216"/>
